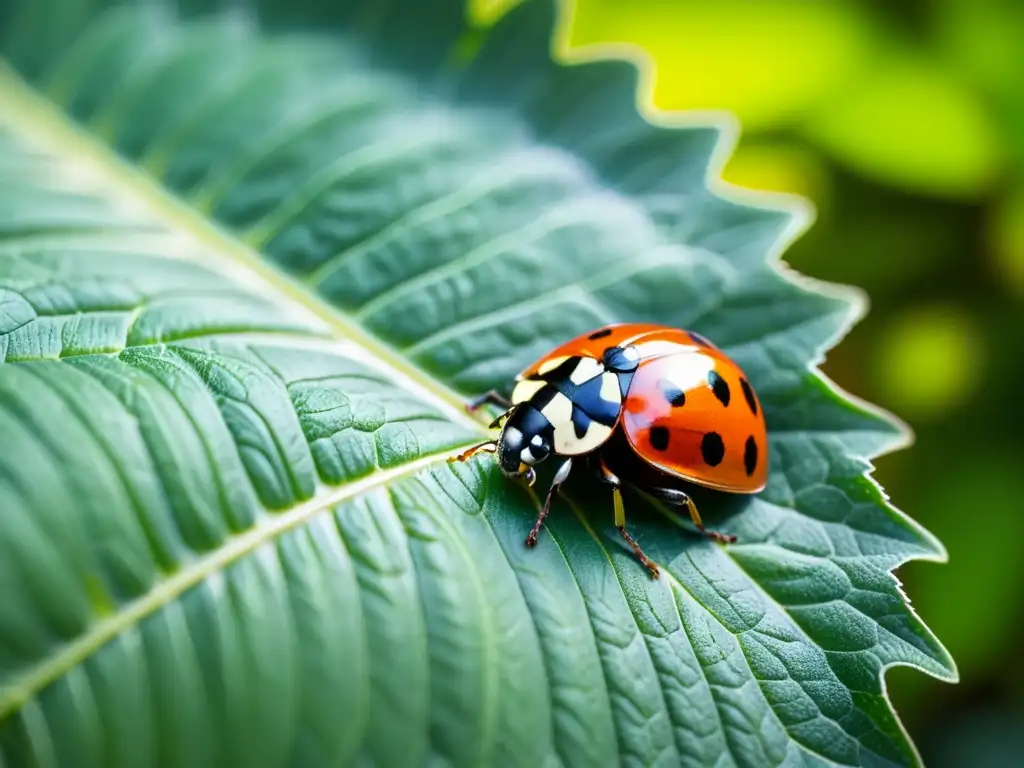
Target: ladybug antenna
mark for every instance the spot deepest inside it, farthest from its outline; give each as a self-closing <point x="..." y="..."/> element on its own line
<point x="490" y="446"/>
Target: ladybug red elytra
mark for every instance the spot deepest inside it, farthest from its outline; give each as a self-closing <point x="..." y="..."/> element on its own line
<point x="645" y="405"/>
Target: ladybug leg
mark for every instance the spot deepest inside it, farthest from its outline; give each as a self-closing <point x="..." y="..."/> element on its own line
<point x="490" y="397"/>
<point x="673" y="496"/>
<point x="620" y="517"/>
<point x="620" y="523"/>
<point x="560" y="477"/>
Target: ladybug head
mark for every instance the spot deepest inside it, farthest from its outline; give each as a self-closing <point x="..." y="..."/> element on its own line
<point x="525" y="441"/>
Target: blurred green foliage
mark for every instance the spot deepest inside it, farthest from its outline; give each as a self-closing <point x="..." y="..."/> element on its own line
<point x="904" y="124"/>
<point x="855" y="85"/>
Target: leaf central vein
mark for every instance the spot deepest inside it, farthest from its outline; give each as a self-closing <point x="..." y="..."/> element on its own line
<point x="19" y="691"/>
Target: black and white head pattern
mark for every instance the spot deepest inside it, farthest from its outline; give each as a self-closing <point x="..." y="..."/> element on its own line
<point x="579" y="397"/>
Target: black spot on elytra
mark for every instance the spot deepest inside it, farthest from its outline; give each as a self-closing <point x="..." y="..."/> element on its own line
<point x="600" y="334"/>
<point x="750" y="456"/>
<point x="673" y="395"/>
<point x="719" y="386"/>
<point x="696" y="337"/>
<point x="748" y="393"/>
<point x="712" y="449"/>
<point x="659" y="438"/>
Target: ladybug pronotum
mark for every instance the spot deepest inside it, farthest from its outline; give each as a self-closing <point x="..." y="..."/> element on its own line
<point x="644" y="405"/>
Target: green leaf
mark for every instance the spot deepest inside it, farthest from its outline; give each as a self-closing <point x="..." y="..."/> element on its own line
<point x="251" y="266"/>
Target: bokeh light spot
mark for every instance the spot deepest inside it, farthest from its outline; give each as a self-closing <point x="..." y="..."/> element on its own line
<point x="930" y="361"/>
<point x="1006" y="243"/>
<point x="906" y="123"/>
<point x="766" y="62"/>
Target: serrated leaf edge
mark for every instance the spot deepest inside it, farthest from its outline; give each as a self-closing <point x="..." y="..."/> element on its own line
<point x="802" y="214"/>
<point x="50" y="125"/>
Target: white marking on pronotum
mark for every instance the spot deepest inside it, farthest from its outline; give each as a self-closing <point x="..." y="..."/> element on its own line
<point x="586" y="369"/>
<point x="610" y="388"/>
<point x="526" y="389"/>
<point x="550" y="365"/>
<point x="558" y="411"/>
<point x="568" y="444"/>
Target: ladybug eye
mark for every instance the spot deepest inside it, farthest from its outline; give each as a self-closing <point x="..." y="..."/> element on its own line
<point x="539" y="449"/>
<point x="510" y="447"/>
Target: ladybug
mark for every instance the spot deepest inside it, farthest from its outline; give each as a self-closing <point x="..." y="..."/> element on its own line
<point x="643" y="405"/>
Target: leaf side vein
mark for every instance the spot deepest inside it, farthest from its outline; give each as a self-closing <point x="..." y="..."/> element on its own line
<point x="22" y="689"/>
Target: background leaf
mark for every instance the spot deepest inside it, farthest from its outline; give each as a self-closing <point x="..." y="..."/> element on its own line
<point x="767" y="63"/>
<point x="961" y="160"/>
<point x="251" y="265"/>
